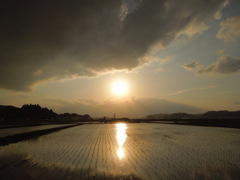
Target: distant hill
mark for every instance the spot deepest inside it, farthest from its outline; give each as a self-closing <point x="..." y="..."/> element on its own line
<point x="211" y="118"/>
<point x="221" y="114"/>
<point x="209" y="114"/>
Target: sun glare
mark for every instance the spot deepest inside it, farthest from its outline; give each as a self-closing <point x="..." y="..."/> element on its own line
<point x="120" y="88"/>
<point x="121" y="138"/>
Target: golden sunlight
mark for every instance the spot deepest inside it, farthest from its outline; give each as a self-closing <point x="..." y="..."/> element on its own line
<point x="121" y="138"/>
<point x="119" y="88"/>
<point x="120" y="153"/>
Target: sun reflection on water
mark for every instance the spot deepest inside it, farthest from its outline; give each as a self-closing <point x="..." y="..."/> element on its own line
<point x="121" y="138"/>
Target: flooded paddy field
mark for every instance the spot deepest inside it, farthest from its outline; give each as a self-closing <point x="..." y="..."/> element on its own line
<point x="126" y="151"/>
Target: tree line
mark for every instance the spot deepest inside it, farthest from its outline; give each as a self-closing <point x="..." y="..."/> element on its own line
<point x="36" y="113"/>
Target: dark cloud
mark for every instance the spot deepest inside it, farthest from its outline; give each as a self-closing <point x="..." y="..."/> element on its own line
<point x="42" y="40"/>
<point x="224" y="65"/>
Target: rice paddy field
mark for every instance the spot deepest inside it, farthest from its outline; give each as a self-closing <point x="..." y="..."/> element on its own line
<point x="126" y="151"/>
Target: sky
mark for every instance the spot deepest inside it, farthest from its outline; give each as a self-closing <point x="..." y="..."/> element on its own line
<point x="174" y="56"/>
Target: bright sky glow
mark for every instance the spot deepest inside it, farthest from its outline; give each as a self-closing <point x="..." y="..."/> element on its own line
<point x="119" y="88"/>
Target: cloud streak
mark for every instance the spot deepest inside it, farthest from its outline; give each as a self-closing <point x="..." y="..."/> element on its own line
<point x="51" y="40"/>
<point x="191" y="89"/>
<point x="192" y="66"/>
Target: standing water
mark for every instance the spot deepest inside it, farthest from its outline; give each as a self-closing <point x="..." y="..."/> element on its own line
<point x="126" y="151"/>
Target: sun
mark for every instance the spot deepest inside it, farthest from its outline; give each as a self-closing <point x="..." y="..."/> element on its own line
<point x="119" y="87"/>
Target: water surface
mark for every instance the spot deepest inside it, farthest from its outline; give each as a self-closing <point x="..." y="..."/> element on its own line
<point x="126" y="151"/>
